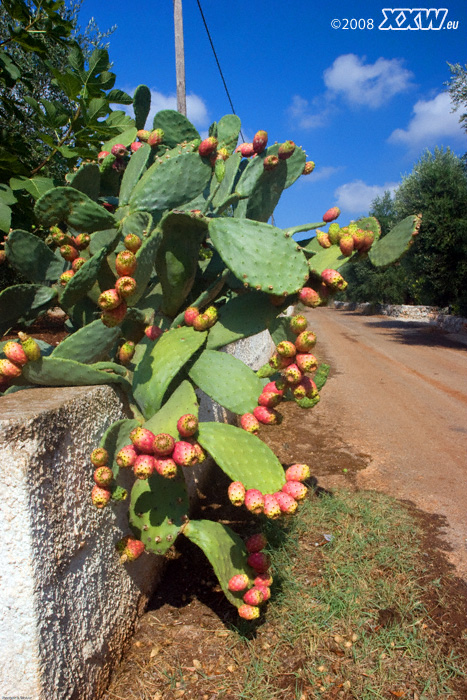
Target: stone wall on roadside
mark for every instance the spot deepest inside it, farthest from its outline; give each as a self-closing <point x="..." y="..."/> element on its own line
<point x="424" y="314"/>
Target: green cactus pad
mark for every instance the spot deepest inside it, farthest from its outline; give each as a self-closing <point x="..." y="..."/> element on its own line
<point x="141" y="105"/>
<point x="265" y="371"/>
<point x="56" y="371"/>
<point x="312" y="247"/>
<point x="84" y="279"/>
<point x="23" y="302"/>
<point x="177" y="128"/>
<point x="183" y="400"/>
<point x="116" y="437"/>
<point x="242" y="316"/>
<point x="242" y="456"/>
<point x="30" y="256"/>
<point x="370" y="223"/>
<point x="328" y="258"/>
<point x="259" y="255"/>
<point x="140" y="223"/>
<point x="397" y="242"/>
<point x="101" y="239"/>
<point x="151" y="302"/>
<point x="227" y="380"/>
<point x="308" y="403"/>
<point x="158" y="511"/>
<point x="304" y="227"/>
<point x="321" y="376"/>
<point x="133" y="172"/>
<point x="125" y="138"/>
<point x="280" y="330"/>
<point x="177" y="258"/>
<point x="167" y="356"/>
<point x="225" y="551"/>
<point x="228" y="129"/>
<point x="87" y="179"/>
<point x="89" y="344"/>
<point x="73" y="207"/>
<point x="227" y="184"/>
<point x="145" y="258"/>
<point x="171" y="183"/>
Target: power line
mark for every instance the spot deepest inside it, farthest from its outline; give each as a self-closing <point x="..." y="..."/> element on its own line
<point x="217" y="60"/>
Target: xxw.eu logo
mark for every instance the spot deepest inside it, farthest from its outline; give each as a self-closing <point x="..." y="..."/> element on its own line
<point x="402" y="18"/>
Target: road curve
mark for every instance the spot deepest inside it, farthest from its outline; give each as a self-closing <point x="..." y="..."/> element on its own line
<point x="398" y="391"/>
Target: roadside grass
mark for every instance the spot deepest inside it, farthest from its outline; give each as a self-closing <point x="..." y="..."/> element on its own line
<point x="349" y="616"/>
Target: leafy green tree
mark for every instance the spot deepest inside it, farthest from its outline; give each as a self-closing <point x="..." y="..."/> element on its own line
<point x="457" y="87"/>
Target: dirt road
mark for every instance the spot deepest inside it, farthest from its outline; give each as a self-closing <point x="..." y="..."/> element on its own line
<point x="397" y="399"/>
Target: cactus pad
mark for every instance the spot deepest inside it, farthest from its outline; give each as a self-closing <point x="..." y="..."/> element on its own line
<point x="242" y="456"/>
<point x="133" y="172"/>
<point x="56" y="371"/>
<point x="30" y="256"/>
<point x="227" y="380"/>
<point x="87" y="179"/>
<point x="23" y="302"/>
<point x="228" y="129"/>
<point x="176" y="127"/>
<point x="328" y="258"/>
<point x="89" y="344"/>
<point x="241" y="317"/>
<point x="116" y="437"/>
<point x="321" y="376"/>
<point x="141" y="105"/>
<point x="73" y="207"/>
<point x="182" y="401"/>
<point x="397" y="242"/>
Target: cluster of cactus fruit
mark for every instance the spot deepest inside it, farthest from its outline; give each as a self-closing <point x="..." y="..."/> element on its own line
<point x="148" y="310"/>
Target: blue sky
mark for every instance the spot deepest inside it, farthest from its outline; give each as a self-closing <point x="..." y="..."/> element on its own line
<point x="363" y="103"/>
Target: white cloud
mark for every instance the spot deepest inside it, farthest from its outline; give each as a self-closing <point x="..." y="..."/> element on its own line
<point x="322" y="173"/>
<point x="432" y="120"/>
<point x="196" y="108"/>
<point x="368" y="84"/>
<point x="357" y="196"/>
<point x="305" y="115"/>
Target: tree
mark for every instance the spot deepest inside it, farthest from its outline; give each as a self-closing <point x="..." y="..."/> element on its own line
<point x="457" y="87"/>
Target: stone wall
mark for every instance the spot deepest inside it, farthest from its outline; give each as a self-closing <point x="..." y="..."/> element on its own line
<point x="424" y="314"/>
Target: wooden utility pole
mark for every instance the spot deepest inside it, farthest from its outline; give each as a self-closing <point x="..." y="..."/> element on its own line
<point x="179" y="57"/>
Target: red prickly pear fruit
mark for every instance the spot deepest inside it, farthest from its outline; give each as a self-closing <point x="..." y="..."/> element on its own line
<point x="298" y="472"/>
<point x="126" y="457"/>
<point x="264" y="579"/>
<point x="298" y="324"/>
<point x="126" y="352"/>
<point x="295" y="489"/>
<point x="166" y="467"/>
<point x="346" y="244"/>
<point x="249" y="423"/>
<point x="309" y="297"/>
<point x="270" y="162"/>
<point x="129" y="548"/>
<point x="109" y="299"/>
<point x="309" y="167"/>
<point x="279" y="362"/>
<point x="286" y="349"/>
<point x="200" y="453"/>
<point x="152" y="332"/>
<point x="99" y="457"/>
<point x="144" y="466"/>
<point x="9" y="369"/>
<point x="68" y="253"/>
<point x="202" y="322"/>
<point x="223" y="154"/>
<point x="103" y="476"/>
<point x="334" y="233"/>
<point x="247" y="150"/>
<point x="254" y="501"/>
<point x="238" y="583"/>
<point x="118" y="150"/>
<point x="236" y="493"/>
<point x="254" y="596"/>
<point x="132" y="242"/>
<point x="255" y="543"/>
<point x="142" y="439"/>
<point x="259" y="561"/>
<point x="102" y="155"/>
<point x="267" y="416"/>
<point x="305" y="389"/>
<point x="248" y="612"/>
<point x="331" y="214"/>
<point x="125" y="286"/>
<point x="190" y="314"/>
<point x="187" y="425"/>
<point x="65" y="277"/>
<point x="272" y="386"/>
<point x="260" y="141"/>
<point x="2" y="257"/>
<point x="135" y="146"/>
<point x="82" y="241"/>
<point x="368" y="241"/>
<point x="15" y="353"/>
<point x="269" y="399"/>
<point x="359" y="237"/>
<point x="184" y="454"/>
<point x="287" y="504"/>
<point x="292" y="374"/>
<point x="112" y="317"/>
<point x="266" y="591"/>
<point x="77" y="264"/>
<point x="207" y="146"/>
<point x="323" y="239"/>
<point x="163" y="444"/>
<point x="305" y="341"/>
<point x="125" y="263"/>
<point x="271" y="507"/>
<point x="100" y="497"/>
<point x="333" y="279"/>
<point x="306" y="362"/>
<point x="143" y="135"/>
<point x="30" y="347"/>
<point x="286" y="149"/>
<point x="156" y="137"/>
